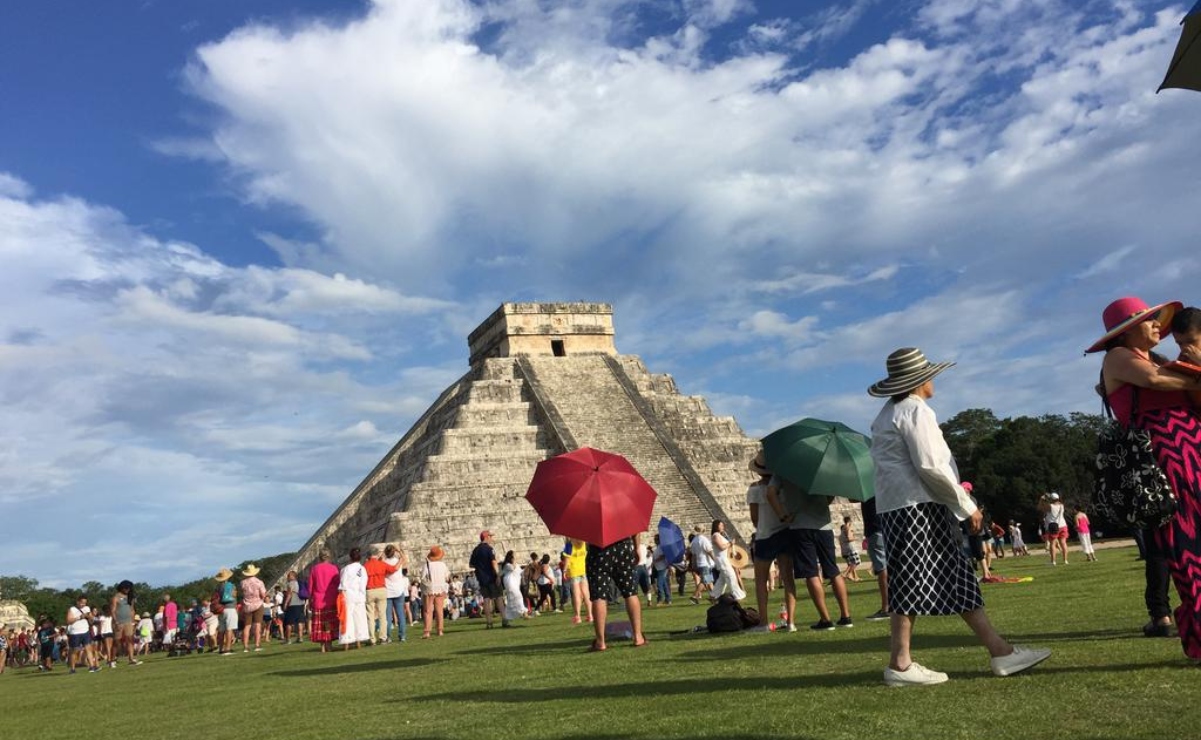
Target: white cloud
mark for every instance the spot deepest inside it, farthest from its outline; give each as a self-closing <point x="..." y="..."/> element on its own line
<point x="150" y="376"/>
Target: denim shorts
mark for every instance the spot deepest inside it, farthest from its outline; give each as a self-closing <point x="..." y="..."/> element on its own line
<point x="706" y="575"/>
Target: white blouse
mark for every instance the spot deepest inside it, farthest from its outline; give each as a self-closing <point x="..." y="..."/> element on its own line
<point x="913" y="463"/>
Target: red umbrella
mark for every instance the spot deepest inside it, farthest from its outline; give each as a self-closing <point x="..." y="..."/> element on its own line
<point x="592" y="496"/>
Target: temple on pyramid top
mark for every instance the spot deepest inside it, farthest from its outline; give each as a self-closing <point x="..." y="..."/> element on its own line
<point x="556" y="329"/>
<point x="544" y="379"/>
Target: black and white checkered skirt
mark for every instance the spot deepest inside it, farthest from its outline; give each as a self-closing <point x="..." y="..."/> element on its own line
<point x="928" y="572"/>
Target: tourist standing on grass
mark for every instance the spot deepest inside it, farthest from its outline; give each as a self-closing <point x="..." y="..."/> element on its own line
<point x="811" y="541"/>
<point x="170" y="619"/>
<point x="850" y="549"/>
<point x="1144" y="393"/>
<point x="104" y="645"/>
<point x="377" y="594"/>
<point x="662" y="570"/>
<point x="1017" y="543"/>
<point x="701" y="548"/>
<point x="878" y="555"/>
<point x="122" y="607"/>
<point x="512" y="578"/>
<point x="487" y="572"/>
<point x="254" y="598"/>
<point x="576" y="572"/>
<point x="918" y="500"/>
<point x="79" y="635"/>
<point x="546" y="585"/>
<point x="323" y="600"/>
<point x="770" y="544"/>
<point x="435" y="582"/>
<point x="352" y="582"/>
<point x="615" y="562"/>
<point x="294" y="607"/>
<point x="1084" y="534"/>
<point x="224" y="605"/>
<point x="727" y="580"/>
<point x="1055" y="525"/>
<point x="396" y="589"/>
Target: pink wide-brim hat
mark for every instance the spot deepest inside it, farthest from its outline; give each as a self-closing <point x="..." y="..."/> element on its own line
<point x="1125" y="313"/>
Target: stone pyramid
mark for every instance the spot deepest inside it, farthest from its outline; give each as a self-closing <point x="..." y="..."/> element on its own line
<point x="545" y="378"/>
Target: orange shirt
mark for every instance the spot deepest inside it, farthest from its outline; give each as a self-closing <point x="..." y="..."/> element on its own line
<point x="377" y="571"/>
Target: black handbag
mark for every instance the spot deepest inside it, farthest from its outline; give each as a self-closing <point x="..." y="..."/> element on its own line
<point x="1130" y="488"/>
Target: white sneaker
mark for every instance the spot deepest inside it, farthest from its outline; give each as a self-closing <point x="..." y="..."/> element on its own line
<point x="914" y="675"/>
<point x="1019" y="660"/>
<point x="791" y="627"/>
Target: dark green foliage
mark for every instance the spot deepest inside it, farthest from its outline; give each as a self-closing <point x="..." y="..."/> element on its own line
<point x="1013" y="461"/>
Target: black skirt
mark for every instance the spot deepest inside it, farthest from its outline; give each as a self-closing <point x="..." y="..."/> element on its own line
<point x="928" y="572"/>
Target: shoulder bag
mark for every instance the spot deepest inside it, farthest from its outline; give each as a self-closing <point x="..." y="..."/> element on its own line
<point x="1130" y="487"/>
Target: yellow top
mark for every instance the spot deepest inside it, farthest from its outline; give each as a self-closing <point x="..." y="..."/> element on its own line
<point x="575" y="559"/>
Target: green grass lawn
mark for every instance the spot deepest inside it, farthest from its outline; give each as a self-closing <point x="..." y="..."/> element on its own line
<point x="1104" y="680"/>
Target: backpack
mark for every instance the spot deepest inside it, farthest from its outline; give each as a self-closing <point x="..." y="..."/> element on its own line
<point x="215" y="605"/>
<point x="727" y="615"/>
<point x="302" y="592"/>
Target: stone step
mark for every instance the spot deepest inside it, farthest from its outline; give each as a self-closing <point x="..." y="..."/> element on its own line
<point x="495" y="391"/>
<point x="494" y="441"/>
<point x="474" y="469"/>
<point x="472" y="415"/>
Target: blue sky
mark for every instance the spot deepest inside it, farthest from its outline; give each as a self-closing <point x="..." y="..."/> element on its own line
<point x="242" y="244"/>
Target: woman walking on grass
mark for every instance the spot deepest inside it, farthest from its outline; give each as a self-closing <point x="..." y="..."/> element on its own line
<point x="850" y="549"/>
<point x="918" y="500"/>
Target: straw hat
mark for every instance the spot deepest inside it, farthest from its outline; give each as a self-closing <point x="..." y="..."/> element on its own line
<point x="435" y="553"/>
<point x="250" y="570"/>
<point x="758" y="465"/>
<point x="1126" y="313"/>
<point x="224" y="574"/>
<point x="908" y="369"/>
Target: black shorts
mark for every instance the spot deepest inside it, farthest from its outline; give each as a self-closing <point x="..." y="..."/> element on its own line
<point x="490" y="590"/>
<point x="79" y="641"/>
<point x="813" y="553"/>
<point x="765" y="551"/>
<point x="617" y="561"/>
<point x="976" y="545"/>
<point x="293" y="615"/>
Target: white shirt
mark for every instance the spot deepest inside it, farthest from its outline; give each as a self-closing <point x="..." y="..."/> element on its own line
<point x="1054" y="514"/>
<point x="396" y="584"/>
<point x="80" y="625"/>
<point x="769" y="523"/>
<point x="353" y="583"/>
<point x="913" y="463"/>
<point x="702" y="552"/>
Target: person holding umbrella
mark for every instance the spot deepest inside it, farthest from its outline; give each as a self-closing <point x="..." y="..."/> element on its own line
<point x="617" y="562"/>
<point x="918" y="501"/>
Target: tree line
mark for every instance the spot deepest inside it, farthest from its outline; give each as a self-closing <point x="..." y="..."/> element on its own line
<point x="55" y="602"/>
<point x="1012" y="462"/>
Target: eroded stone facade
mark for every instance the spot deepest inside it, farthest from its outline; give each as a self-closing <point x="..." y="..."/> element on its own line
<point x="465" y="465"/>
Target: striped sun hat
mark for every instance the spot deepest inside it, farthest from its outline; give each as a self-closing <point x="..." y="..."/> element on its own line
<point x="908" y="368"/>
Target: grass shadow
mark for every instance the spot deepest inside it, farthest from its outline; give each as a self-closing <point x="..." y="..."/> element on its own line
<point x="677" y="687"/>
<point x="333" y="670"/>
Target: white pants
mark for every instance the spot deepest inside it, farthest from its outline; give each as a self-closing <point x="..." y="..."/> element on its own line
<point x="357" y="629"/>
<point x="727" y="580"/>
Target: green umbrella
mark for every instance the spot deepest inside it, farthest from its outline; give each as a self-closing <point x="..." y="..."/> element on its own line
<point x="822" y="458"/>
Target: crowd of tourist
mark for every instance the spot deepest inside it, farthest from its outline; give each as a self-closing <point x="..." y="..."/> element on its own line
<point x="924" y="533"/>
